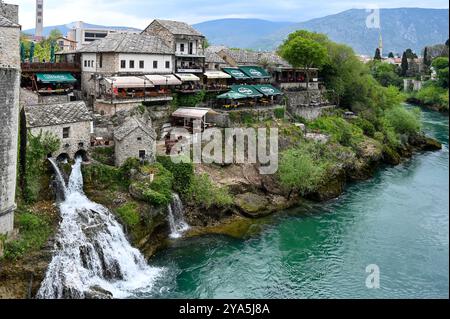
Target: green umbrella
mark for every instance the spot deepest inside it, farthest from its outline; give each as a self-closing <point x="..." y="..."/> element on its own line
<point x="31" y="52"/>
<point x="232" y="95"/>
<point x="52" y="52"/>
<point x="22" y="52"/>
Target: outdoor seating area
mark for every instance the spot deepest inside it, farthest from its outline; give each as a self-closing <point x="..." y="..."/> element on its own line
<point x="252" y="96"/>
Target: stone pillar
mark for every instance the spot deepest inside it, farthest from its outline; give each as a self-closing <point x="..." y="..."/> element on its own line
<point x="9" y="126"/>
<point x="9" y="113"/>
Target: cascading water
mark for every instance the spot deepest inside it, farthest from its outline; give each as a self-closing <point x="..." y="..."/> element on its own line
<point x="92" y="257"/>
<point x="176" y="219"/>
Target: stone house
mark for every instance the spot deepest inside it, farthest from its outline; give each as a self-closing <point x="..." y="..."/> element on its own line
<point x="9" y="111"/>
<point x="134" y="139"/>
<point x="70" y="122"/>
<point x="127" y="55"/>
<point x="65" y="44"/>
<point x="186" y="42"/>
<point x="213" y="61"/>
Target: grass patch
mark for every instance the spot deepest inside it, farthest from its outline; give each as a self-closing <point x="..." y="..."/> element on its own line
<point x="129" y="214"/>
<point x="204" y="193"/>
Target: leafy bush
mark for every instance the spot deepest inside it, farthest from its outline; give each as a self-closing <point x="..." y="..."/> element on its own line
<point x="402" y="120"/>
<point x="129" y="214"/>
<point x="204" y="193"/>
<point x="34" y="231"/>
<point x="103" y="176"/>
<point x="340" y="130"/>
<point x="104" y="155"/>
<point x="367" y="127"/>
<point x="432" y="95"/>
<point x="37" y="149"/>
<point x="279" y="113"/>
<point x="182" y="173"/>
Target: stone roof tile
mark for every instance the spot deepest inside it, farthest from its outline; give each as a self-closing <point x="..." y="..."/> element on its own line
<point x="40" y="115"/>
<point x="179" y="28"/>
<point x="130" y="125"/>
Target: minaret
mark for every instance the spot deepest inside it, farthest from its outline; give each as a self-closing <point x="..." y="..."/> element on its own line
<point x="39" y="19"/>
<point x="380" y="44"/>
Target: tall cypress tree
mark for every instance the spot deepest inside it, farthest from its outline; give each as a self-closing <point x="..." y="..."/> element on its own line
<point x="426" y="57"/>
<point x="404" y="65"/>
<point x="377" y="54"/>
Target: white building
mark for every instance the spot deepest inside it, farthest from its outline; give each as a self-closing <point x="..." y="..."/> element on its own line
<point x="84" y="34"/>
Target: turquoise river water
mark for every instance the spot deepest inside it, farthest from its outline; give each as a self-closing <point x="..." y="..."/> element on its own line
<point x="398" y="220"/>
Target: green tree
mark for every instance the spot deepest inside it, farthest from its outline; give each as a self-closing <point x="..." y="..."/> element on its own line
<point x="426" y="58"/>
<point x="302" y="50"/>
<point x="410" y="54"/>
<point x="404" y="65"/>
<point x="377" y="55"/>
<point x="440" y="64"/>
<point x="391" y="55"/>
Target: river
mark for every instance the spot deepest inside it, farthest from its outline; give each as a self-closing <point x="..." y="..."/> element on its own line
<point x="398" y="220"/>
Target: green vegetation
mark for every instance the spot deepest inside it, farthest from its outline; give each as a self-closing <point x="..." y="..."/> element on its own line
<point x="37" y="149"/>
<point x="129" y="214"/>
<point x="402" y="120"/>
<point x="182" y="173"/>
<point x="41" y="50"/>
<point x="34" y="231"/>
<point x="440" y="64"/>
<point x="204" y="193"/>
<point x="104" y="155"/>
<point x="279" y="113"/>
<point x="340" y="130"/>
<point x="307" y="166"/>
<point x="386" y="74"/>
<point x="103" y="176"/>
<point x="302" y="49"/>
<point x="188" y="100"/>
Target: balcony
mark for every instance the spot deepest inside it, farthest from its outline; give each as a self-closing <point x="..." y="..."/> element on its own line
<point x="139" y="96"/>
<point x="51" y="67"/>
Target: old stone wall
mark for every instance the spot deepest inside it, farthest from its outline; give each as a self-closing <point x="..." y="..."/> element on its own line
<point x="130" y="147"/>
<point x="79" y="137"/>
<point x="157" y="29"/>
<point x="9" y="125"/>
<point x="9" y="48"/>
<point x="311" y="113"/>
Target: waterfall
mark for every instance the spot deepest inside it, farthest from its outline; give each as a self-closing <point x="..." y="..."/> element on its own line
<point x="61" y="184"/>
<point x="176" y="219"/>
<point x="92" y="257"/>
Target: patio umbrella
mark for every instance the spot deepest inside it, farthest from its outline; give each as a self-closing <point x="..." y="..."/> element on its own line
<point x="52" y="52"/>
<point x="31" y="52"/>
<point x="22" y="52"/>
<point x="232" y="95"/>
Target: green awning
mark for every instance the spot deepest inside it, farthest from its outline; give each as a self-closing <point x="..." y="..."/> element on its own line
<point x="232" y="95"/>
<point x="55" y="78"/>
<point x="268" y="90"/>
<point x="236" y="73"/>
<point x="255" y="72"/>
<point x="247" y="90"/>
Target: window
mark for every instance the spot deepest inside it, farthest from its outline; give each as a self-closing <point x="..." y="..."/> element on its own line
<point x="39" y="6"/>
<point x="191" y="48"/>
<point x="142" y="155"/>
<point x="181" y="47"/>
<point x="123" y="64"/>
<point x="66" y="132"/>
<point x="167" y="64"/>
<point x="141" y="64"/>
<point x="139" y="138"/>
<point x="100" y="61"/>
<point x="131" y="64"/>
<point x="92" y="63"/>
<point x="155" y="64"/>
<point x="39" y="20"/>
<point x="85" y="63"/>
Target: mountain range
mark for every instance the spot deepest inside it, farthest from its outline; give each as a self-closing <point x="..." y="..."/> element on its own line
<point x="401" y="28"/>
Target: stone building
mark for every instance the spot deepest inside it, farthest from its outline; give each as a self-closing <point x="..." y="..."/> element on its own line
<point x="134" y="139"/>
<point x="70" y="122"/>
<point x="184" y="40"/>
<point x="213" y="61"/>
<point x="115" y="61"/>
<point x="9" y="111"/>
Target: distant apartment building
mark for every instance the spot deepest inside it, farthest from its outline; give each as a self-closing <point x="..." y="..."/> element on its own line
<point x="65" y="44"/>
<point x="186" y="42"/>
<point x="84" y="34"/>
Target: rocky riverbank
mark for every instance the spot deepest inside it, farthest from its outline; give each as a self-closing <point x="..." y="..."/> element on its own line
<point x="254" y="197"/>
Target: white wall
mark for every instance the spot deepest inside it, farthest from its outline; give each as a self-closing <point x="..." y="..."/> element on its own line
<point x="90" y="58"/>
<point x="148" y="63"/>
<point x="186" y="47"/>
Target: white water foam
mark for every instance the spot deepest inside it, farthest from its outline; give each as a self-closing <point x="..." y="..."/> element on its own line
<point x="92" y="253"/>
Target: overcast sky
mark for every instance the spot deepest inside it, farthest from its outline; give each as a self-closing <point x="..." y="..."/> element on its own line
<point x="139" y="13"/>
